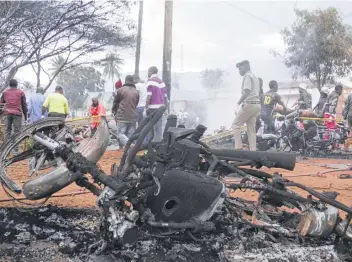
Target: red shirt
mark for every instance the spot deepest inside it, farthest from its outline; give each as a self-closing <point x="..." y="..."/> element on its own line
<point x="15" y="102"/>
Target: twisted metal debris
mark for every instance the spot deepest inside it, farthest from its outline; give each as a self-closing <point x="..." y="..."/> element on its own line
<point x="177" y="189"/>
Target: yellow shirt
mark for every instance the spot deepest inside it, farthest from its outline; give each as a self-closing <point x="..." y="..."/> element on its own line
<point x="56" y="103"/>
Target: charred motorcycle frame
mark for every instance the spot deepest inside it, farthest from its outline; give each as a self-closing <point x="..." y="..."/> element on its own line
<point x="181" y="186"/>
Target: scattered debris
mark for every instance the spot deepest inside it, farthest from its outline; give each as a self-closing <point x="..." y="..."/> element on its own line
<point x="174" y="195"/>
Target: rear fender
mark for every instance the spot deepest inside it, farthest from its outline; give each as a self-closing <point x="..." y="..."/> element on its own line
<point x="92" y="148"/>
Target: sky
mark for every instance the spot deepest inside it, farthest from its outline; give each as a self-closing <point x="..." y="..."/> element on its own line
<point x="218" y="34"/>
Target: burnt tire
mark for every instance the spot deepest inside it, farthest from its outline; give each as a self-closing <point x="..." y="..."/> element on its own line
<point x="16" y="139"/>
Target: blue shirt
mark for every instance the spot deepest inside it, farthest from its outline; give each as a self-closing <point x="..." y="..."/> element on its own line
<point x="35" y="107"/>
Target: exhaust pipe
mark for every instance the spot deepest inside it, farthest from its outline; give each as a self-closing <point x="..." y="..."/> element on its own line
<point x="269" y="159"/>
<point x="91" y="148"/>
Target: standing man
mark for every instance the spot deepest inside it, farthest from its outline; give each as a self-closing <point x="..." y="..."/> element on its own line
<point x="347" y="116"/>
<point x="321" y="106"/>
<point x="124" y="109"/>
<point x="331" y="104"/>
<point x="96" y="109"/>
<point x="36" y="102"/>
<point x="333" y="99"/>
<point x="156" y="97"/>
<point x="56" y="103"/>
<point x="15" y="106"/>
<point x="270" y="99"/>
<point x="248" y="107"/>
<point x="142" y="90"/>
<point x="304" y="97"/>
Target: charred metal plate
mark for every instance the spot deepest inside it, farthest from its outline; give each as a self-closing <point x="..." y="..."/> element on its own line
<point x="250" y="206"/>
<point x="317" y="223"/>
<point x="184" y="196"/>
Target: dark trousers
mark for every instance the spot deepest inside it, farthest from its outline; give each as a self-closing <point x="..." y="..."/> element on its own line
<point x="269" y="125"/>
<point x="124" y="132"/>
<point x="158" y="129"/>
<point x="53" y="114"/>
<point x="12" y="121"/>
<point x="139" y="113"/>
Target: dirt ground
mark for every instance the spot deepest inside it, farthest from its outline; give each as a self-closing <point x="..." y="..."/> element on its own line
<point x="63" y="231"/>
<point x="305" y="172"/>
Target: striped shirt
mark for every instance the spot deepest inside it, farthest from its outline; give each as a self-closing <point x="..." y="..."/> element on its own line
<point x="156" y="88"/>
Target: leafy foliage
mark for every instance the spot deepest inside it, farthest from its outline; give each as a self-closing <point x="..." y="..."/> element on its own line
<point x="33" y="31"/>
<point x="318" y="46"/>
<point x="79" y="80"/>
<point x="111" y="66"/>
<point x="56" y="64"/>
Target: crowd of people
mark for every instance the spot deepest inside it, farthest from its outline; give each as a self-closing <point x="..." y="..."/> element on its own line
<point x="133" y="100"/>
<point x="254" y="103"/>
<point x="38" y="107"/>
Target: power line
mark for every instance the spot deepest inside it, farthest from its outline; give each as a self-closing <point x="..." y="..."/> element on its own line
<point x="253" y="15"/>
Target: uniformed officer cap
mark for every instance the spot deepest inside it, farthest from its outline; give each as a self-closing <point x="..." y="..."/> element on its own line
<point x="244" y="62"/>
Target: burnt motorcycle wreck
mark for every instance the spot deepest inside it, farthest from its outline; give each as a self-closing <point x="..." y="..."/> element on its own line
<point x="180" y="186"/>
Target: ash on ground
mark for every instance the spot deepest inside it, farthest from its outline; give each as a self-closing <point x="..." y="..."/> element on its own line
<point x="64" y="235"/>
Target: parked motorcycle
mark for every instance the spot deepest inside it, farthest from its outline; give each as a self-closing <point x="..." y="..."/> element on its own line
<point x="308" y="137"/>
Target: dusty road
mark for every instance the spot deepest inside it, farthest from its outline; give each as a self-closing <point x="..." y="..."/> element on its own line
<point x="63" y="232"/>
<point x="305" y="172"/>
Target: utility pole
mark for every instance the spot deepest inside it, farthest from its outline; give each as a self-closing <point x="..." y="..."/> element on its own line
<point x="139" y="38"/>
<point x="167" y="46"/>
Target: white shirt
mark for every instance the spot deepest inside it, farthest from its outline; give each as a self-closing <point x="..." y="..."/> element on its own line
<point x="142" y="89"/>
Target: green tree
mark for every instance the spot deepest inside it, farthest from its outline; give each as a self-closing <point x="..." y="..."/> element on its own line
<point x="79" y="80"/>
<point x="56" y="64"/>
<point x="33" y="32"/>
<point x="318" y="46"/>
<point x="111" y="66"/>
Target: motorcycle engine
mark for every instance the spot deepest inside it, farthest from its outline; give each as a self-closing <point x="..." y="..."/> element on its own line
<point x="185" y="196"/>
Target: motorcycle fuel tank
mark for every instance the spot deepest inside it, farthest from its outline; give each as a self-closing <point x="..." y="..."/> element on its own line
<point x="184" y="196"/>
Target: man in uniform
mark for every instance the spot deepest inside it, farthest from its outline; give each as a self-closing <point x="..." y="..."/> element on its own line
<point x="270" y="99"/>
<point x="248" y="107"/>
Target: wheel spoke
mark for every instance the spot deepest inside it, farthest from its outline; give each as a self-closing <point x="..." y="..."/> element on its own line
<point x="21" y="156"/>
